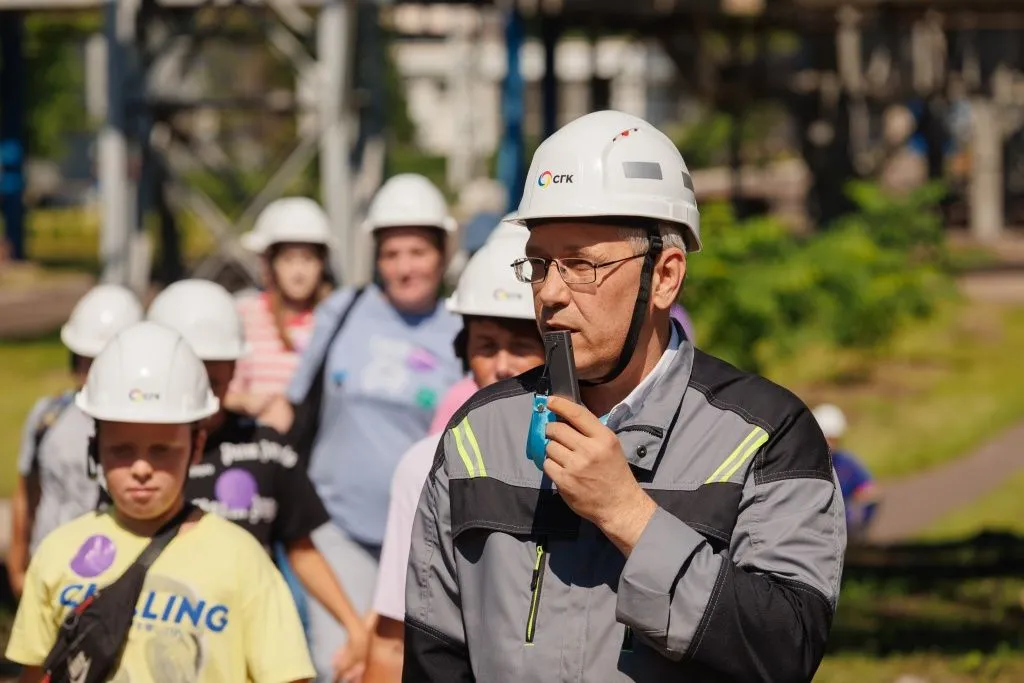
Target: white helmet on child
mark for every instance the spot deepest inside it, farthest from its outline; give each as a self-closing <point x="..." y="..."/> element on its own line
<point x="205" y="314"/>
<point x="147" y="374"/>
<point x="409" y="200"/>
<point x="611" y="164"/>
<point x="98" y="316"/>
<point x="488" y="285"/>
<point x="831" y="420"/>
<point x="289" y="219"/>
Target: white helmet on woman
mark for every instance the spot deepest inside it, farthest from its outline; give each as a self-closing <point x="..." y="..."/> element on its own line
<point x="147" y="374"/>
<point x="289" y="219"/>
<point x="488" y="285"/>
<point x="104" y="311"/>
<point x="409" y="200"/>
<point x="205" y="314"/>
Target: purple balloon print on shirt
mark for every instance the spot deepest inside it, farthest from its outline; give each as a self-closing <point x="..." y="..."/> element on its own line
<point x="421" y="360"/>
<point x="235" y="488"/>
<point x="94" y="557"/>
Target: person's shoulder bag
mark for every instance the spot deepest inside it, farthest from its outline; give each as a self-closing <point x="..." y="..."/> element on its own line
<point x="306" y="420"/>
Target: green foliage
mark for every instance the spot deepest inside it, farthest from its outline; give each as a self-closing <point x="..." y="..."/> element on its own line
<point x="54" y="79"/>
<point x="757" y="292"/>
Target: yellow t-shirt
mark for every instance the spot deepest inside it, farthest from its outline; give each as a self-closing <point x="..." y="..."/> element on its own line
<point x="213" y="608"/>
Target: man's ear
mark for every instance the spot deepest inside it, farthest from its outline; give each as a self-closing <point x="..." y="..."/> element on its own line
<point x="669" y="273"/>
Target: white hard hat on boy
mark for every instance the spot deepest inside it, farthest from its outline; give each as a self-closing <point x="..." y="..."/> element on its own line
<point x="289" y="219"/>
<point x="488" y="285"/>
<point x="104" y="311"/>
<point x="147" y="374"/>
<point x="611" y="164"/>
<point x="205" y="314"/>
<point x="409" y="200"/>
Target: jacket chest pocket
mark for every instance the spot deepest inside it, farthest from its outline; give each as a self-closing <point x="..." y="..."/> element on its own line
<point x="540" y="567"/>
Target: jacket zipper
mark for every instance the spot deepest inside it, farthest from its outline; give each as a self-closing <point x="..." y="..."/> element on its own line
<point x="536" y="586"/>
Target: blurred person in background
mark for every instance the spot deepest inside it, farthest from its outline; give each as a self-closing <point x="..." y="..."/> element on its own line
<point x="860" y="495"/>
<point x="678" y="313"/>
<point x="293" y="236"/>
<point x="467" y="386"/>
<point x="54" y="485"/>
<point x="386" y="357"/>
<point x="499" y="340"/>
<point x="248" y="473"/>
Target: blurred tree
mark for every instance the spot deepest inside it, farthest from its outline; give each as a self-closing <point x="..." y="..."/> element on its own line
<point x="55" y="83"/>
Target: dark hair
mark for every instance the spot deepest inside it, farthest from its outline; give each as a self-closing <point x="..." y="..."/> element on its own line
<point x="514" y="325"/>
<point x="277" y="309"/>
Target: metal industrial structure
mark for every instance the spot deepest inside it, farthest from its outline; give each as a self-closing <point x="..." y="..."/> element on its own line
<point x="853" y="60"/>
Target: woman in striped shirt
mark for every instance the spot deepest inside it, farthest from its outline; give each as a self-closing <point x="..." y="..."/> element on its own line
<point x="293" y="235"/>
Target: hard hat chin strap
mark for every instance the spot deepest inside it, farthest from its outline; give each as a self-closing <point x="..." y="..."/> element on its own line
<point x="643" y="297"/>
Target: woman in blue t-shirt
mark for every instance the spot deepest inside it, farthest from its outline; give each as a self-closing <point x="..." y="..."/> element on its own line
<point x="384" y="373"/>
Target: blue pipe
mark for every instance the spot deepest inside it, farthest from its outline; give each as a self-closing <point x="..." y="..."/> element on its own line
<point x="12" y="130"/>
<point x="511" y="155"/>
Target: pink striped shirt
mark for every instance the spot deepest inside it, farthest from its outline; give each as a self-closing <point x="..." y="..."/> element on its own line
<point x="269" y="365"/>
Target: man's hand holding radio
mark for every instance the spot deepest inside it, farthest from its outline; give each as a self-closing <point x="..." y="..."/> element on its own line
<point x="586" y="463"/>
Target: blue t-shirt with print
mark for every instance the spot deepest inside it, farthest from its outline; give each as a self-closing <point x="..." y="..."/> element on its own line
<point x="384" y="375"/>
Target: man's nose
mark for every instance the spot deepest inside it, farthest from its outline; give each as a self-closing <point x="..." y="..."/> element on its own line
<point x="553" y="292"/>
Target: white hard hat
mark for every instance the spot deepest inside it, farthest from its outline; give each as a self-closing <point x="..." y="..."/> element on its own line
<point x="831" y="420"/>
<point x="205" y="314"/>
<point x="609" y="164"/>
<point x="488" y="285"/>
<point x="408" y="199"/>
<point x="104" y="311"/>
<point x="147" y="374"/>
<point x="290" y="219"/>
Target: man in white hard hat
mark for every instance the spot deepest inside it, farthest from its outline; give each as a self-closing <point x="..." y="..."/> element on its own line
<point x="248" y="473"/>
<point x="860" y="495"/>
<point x="499" y="340"/>
<point x="54" y="485"/>
<point x="681" y="523"/>
<point x="212" y="606"/>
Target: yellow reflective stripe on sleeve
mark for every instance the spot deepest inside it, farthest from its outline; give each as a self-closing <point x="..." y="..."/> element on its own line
<point x="462" y="452"/>
<point x="726" y="464"/>
<point x="760" y="441"/>
<point x="481" y="470"/>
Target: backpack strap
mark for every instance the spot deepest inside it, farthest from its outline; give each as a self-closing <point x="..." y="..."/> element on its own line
<point x="306" y="420"/>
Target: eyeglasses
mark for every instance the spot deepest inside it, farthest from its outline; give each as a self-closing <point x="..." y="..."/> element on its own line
<point x="574" y="271"/>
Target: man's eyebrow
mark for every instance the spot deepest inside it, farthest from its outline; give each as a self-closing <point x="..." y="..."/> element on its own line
<point x="571" y="250"/>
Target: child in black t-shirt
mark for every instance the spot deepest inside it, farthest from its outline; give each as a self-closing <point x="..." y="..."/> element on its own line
<point x="248" y="473"/>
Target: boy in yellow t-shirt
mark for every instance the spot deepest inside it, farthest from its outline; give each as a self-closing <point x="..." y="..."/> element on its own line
<point x="213" y="606"/>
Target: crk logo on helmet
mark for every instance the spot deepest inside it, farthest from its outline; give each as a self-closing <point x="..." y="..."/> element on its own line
<point x="138" y="395"/>
<point x="505" y="295"/>
<point x="547" y="178"/>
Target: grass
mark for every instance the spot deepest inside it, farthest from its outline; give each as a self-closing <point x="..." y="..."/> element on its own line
<point x="937" y="391"/>
<point x="71" y="237"/>
<point x="943" y="630"/>
<point x="28" y="370"/>
<point x="1001" y="510"/>
<point x="925" y="668"/>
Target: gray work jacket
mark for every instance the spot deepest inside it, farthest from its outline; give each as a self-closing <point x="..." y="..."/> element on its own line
<point x="735" y="578"/>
